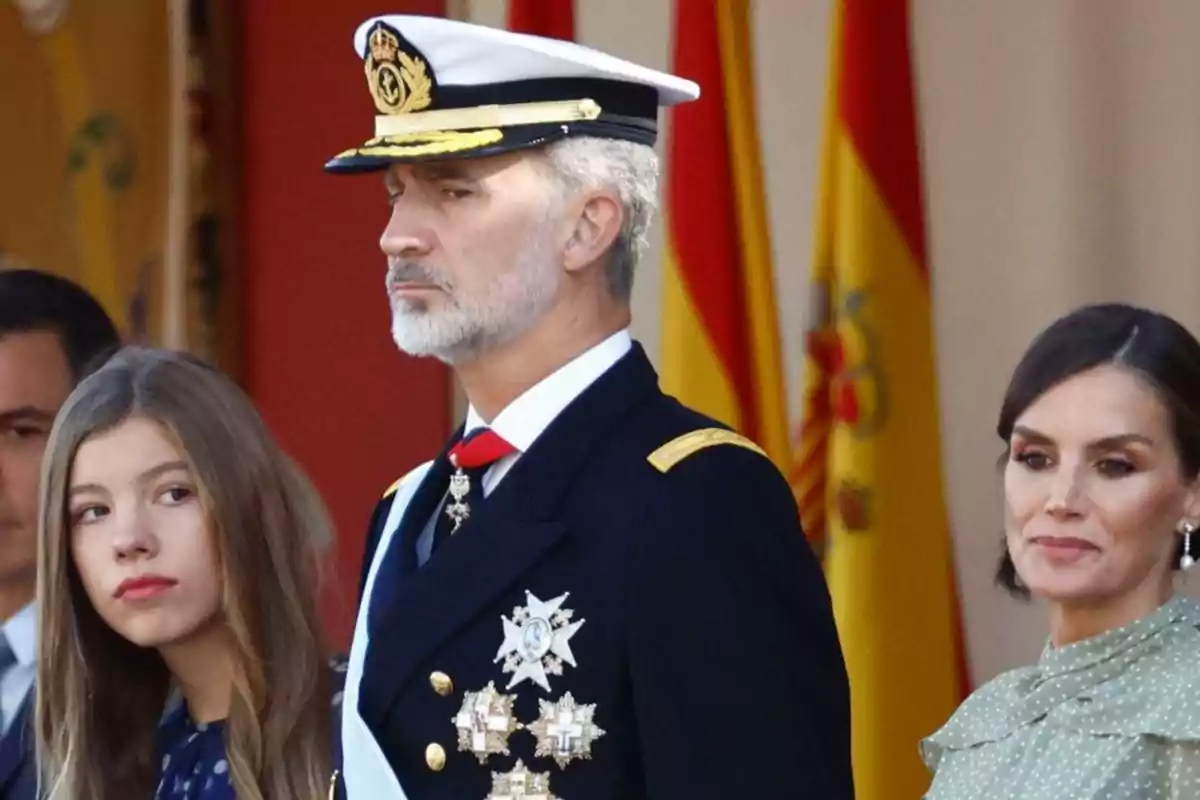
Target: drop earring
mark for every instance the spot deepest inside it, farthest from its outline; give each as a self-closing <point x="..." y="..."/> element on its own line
<point x="1186" y="561"/>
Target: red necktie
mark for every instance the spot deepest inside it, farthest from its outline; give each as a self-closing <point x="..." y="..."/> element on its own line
<point x="480" y="448"/>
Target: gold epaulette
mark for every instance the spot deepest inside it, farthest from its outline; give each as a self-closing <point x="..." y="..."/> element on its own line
<point x="683" y="446"/>
<point x="391" y="490"/>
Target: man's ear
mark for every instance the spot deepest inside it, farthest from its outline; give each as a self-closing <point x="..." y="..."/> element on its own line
<point x="594" y="230"/>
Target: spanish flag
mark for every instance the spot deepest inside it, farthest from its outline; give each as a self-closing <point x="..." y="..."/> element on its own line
<point x="868" y="470"/>
<point x="553" y="18"/>
<point x="720" y="338"/>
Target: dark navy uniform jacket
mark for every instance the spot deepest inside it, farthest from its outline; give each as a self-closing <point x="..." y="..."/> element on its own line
<point x="707" y="648"/>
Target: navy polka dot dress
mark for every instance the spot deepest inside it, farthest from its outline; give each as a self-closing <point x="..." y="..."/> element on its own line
<point x="192" y="755"/>
<point x="193" y="760"/>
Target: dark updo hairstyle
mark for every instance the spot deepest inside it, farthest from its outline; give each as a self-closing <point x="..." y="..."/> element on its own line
<point x="1153" y="346"/>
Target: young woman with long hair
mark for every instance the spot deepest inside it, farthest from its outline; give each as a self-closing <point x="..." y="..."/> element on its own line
<point x="181" y="654"/>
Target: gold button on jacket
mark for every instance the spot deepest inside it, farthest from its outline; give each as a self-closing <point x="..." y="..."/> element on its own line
<point x="435" y="757"/>
<point x="441" y="684"/>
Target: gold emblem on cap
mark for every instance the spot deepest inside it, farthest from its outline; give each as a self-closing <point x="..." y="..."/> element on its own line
<point x="565" y="730"/>
<point x="435" y="757"/>
<point x="485" y="722"/>
<point x="399" y="82"/>
<point x="521" y="784"/>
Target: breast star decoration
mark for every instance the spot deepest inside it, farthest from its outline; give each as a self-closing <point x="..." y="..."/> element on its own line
<point x="485" y="722"/>
<point x="537" y="640"/>
<point x="565" y="730"/>
<point x="521" y="784"/>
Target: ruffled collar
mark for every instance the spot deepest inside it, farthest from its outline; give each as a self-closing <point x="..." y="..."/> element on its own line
<point x="1065" y="672"/>
<point x="1063" y="676"/>
<point x="1094" y="651"/>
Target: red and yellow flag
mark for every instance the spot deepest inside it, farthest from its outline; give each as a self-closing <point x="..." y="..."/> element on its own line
<point x="720" y="337"/>
<point x="553" y="18"/>
<point x="868" y="470"/>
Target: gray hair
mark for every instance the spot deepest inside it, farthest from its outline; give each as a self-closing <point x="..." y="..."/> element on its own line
<point x="583" y="163"/>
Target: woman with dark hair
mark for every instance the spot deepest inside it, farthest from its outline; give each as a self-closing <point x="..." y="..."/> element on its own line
<point x="1101" y="424"/>
<point x="182" y="656"/>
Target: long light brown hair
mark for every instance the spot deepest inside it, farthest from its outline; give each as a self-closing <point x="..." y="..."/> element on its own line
<point x="100" y="697"/>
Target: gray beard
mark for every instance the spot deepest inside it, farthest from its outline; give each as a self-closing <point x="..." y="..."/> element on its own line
<point x="469" y="325"/>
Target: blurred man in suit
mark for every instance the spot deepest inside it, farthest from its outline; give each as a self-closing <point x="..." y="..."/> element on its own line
<point x="51" y="330"/>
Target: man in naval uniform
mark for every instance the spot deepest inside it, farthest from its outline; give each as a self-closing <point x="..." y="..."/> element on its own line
<point x="593" y="591"/>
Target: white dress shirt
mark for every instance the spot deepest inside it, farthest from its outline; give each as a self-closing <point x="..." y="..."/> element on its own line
<point x="21" y="631"/>
<point x="525" y="419"/>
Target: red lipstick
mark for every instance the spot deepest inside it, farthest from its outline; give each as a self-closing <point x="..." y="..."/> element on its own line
<point x="143" y="586"/>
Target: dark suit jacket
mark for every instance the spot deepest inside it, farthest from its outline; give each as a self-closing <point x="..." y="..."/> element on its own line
<point x="708" y="646"/>
<point x="18" y="774"/>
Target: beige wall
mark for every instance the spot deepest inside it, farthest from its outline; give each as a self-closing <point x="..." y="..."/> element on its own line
<point x="1062" y="165"/>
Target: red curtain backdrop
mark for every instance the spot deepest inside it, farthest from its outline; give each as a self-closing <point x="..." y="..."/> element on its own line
<point x="319" y="360"/>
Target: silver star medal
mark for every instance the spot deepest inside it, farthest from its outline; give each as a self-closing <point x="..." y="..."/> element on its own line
<point x="537" y="640"/>
<point x="565" y="730"/>
<point x="485" y="722"/>
<point x="460" y="484"/>
<point x="520" y="784"/>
